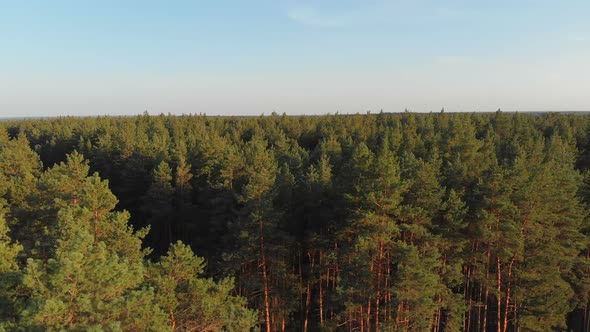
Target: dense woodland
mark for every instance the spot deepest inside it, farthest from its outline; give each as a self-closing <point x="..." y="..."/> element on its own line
<point x="390" y="222"/>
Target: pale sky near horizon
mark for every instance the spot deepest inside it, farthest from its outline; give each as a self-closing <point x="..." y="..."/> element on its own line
<point x="122" y="57"/>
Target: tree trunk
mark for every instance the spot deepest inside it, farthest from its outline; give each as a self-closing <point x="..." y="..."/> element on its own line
<point x="307" y="302"/>
<point x="265" y="285"/>
<point x="467" y="296"/>
<point x="369" y="314"/>
<point x="378" y="296"/>
<point x="485" y="311"/>
<point x="172" y="320"/>
<point x="499" y="294"/>
<point x="485" y="308"/>
<point x="508" y="290"/>
<point x="479" y="307"/>
<point x="361" y="319"/>
<point x="388" y="309"/>
<point x="311" y="257"/>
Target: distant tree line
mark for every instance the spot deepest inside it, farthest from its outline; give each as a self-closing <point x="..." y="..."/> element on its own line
<point x="378" y="222"/>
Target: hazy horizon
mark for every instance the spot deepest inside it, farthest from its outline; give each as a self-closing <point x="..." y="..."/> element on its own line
<point x="298" y="57"/>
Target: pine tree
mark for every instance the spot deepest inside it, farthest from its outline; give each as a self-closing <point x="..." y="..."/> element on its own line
<point x="553" y="241"/>
<point x="373" y="187"/>
<point x="183" y="206"/>
<point x="93" y="279"/>
<point x="194" y="303"/>
<point x="20" y="166"/>
<point x="158" y="209"/>
<point x="9" y="275"/>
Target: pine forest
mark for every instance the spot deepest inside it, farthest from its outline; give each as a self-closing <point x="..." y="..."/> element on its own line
<point x="436" y="222"/>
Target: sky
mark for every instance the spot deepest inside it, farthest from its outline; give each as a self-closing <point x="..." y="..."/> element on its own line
<point x="123" y="57"/>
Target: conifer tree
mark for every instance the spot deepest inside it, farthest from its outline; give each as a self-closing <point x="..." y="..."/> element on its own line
<point x="194" y="303"/>
<point x="441" y="222"/>
<point x="157" y="206"/>
<point x="9" y="275"/>
<point x="183" y="206"/>
<point x="93" y="279"/>
<point x="553" y="241"/>
<point x="20" y="167"/>
<point x="257" y="221"/>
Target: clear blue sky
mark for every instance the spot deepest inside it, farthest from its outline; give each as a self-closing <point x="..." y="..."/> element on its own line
<point x="299" y="57"/>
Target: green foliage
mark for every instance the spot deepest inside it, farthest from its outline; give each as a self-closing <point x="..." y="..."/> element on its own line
<point x="157" y="204"/>
<point x="8" y="250"/>
<point x="20" y="166"/>
<point x="401" y="222"/>
<point x="94" y="278"/>
<point x="194" y="303"/>
<point x="9" y="275"/>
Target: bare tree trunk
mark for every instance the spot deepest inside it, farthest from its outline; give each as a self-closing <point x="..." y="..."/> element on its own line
<point x="361" y="319"/>
<point x="266" y="286"/>
<point x="485" y="308"/>
<point x="485" y="311"/>
<point x="311" y="257"/>
<point x="479" y="307"/>
<point x="438" y="314"/>
<point x="378" y="296"/>
<point x="307" y="302"/>
<point x="499" y="293"/>
<point x="334" y="277"/>
<point x="172" y="320"/>
<point x="508" y="290"/>
<point x="467" y="296"/>
<point x="388" y="309"/>
<point x="369" y="314"/>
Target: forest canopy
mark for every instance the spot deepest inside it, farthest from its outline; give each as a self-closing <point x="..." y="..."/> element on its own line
<point x="389" y="222"/>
